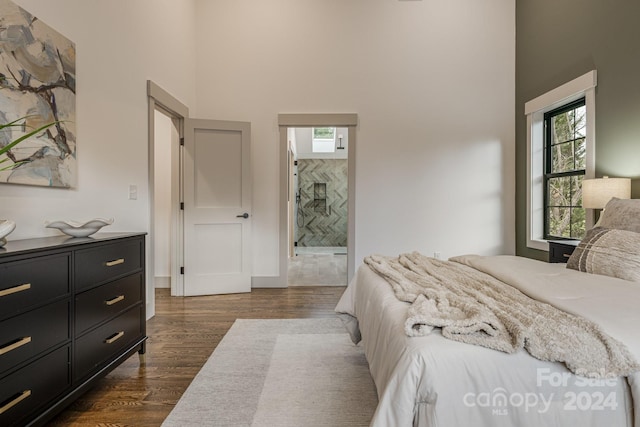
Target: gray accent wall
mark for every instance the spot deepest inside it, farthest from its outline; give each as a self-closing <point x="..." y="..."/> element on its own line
<point x="325" y="211"/>
<point x="557" y="41"/>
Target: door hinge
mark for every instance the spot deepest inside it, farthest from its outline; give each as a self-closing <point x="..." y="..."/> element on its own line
<point x="182" y="141"/>
<point x="181" y="206"/>
<point x="181" y="270"/>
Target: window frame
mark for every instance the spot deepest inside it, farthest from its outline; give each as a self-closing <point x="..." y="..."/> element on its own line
<point x="548" y="160"/>
<point x="321" y="141"/>
<point x="580" y="87"/>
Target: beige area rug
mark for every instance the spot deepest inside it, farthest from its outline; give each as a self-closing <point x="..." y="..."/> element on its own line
<point x="280" y="373"/>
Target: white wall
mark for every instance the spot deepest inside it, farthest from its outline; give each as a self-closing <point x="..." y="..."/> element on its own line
<point x="432" y="83"/>
<point x="119" y="45"/>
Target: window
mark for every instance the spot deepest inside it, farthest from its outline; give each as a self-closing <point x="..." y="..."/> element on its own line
<point x="324" y="140"/>
<point x="565" y="163"/>
<point x="554" y="189"/>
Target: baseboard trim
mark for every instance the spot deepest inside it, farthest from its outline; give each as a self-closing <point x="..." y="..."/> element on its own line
<point x="162" y="282"/>
<point x="268" y="282"/>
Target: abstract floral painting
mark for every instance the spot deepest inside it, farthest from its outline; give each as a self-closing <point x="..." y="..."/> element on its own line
<point x="37" y="81"/>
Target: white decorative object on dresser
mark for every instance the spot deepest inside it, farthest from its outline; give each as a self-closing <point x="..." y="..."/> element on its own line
<point x="78" y="229"/>
<point x="6" y="227"/>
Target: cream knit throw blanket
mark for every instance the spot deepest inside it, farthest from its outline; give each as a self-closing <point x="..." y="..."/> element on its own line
<point x="473" y="307"/>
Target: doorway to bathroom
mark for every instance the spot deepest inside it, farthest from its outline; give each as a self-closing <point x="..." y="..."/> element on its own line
<point x="318" y="170"/>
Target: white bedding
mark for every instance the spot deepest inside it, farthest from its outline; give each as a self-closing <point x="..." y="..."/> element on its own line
<point x="432" y="381"/>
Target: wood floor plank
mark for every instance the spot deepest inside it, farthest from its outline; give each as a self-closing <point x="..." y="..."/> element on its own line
<point x="182" y="336"/>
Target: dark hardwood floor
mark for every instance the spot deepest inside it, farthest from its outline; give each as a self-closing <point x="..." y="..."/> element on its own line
<point x="182" y="335"/>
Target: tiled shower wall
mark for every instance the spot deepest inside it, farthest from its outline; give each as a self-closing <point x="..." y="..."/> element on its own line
<point x="325" y="220"/>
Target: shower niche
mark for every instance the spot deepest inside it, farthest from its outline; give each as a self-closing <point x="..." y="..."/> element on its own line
<point x="320" y="197"/>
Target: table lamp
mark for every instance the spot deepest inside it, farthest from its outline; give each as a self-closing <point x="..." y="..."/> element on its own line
<point x="597" y="192"/>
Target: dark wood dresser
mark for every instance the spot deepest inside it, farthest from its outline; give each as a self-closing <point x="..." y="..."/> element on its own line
<point x="71" y="310"/>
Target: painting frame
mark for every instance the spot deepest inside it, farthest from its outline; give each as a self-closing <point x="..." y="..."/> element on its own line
<point x="37" y="85"/>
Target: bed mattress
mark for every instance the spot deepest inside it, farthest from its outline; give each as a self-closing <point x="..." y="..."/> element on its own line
<point x="433" y="381"/>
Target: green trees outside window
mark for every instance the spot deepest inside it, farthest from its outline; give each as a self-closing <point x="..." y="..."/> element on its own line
<point x="324" y="133"/>
<point x="565" y="160"/>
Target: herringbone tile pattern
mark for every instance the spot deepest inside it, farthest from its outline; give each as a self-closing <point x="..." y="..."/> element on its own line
<point x="325" y="222"/>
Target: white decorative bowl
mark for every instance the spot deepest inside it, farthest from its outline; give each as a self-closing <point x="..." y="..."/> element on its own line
<point x="6" y="227"/>
<point x="77" y="229"/>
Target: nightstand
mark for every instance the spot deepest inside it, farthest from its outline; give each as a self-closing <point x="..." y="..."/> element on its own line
<point x="561" y="250"/>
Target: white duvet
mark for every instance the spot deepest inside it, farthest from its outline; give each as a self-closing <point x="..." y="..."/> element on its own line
<point x="432" y="381"/>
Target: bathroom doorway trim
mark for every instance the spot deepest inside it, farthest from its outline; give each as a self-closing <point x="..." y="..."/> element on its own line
<point x="285" y="121"/>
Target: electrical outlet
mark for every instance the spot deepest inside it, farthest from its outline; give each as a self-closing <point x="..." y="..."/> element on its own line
<point x="437" y="255"/>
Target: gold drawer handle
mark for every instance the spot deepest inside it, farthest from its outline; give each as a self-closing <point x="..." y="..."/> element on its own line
<point x="19" y="343"/>
<point x="115" y="262"/>
<point x="20" y="288"/>
<point x="15" y="401"/>
<point x="114" y="300"/>
<point x="114" y="338"/>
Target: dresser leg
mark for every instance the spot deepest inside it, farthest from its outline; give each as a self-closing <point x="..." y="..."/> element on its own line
<point x="143" y="347"/>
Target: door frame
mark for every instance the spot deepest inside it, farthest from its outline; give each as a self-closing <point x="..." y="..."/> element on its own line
<point x="160" y="99"/>
<point x="285" y="121"/>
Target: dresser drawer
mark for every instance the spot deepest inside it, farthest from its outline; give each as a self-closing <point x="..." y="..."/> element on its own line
<point x="99" y="304"/>
<point x="107" y="262"/>
<point x="32" y="333"/>
<point x="560" y="250"/>
<point x="107" y="341"/>
<point x="25" y="392"/>
<point x="31" y="282"/>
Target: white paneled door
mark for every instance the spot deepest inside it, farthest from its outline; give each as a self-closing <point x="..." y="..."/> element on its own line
<point x="217" y="207"/>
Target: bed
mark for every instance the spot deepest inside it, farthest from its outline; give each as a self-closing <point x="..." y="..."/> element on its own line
<point x="431" y="380"/>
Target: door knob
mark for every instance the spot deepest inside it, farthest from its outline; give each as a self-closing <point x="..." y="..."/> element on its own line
<point x="244" y="215"/>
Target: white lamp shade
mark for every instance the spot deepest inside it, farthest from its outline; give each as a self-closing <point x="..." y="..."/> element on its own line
<point x="597" y="192"/>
